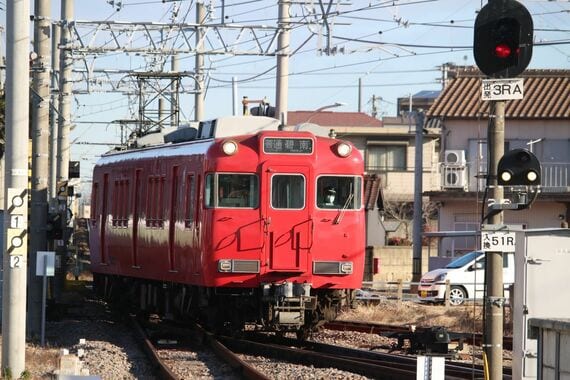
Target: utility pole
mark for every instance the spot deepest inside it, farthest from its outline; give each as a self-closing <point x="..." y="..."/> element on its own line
<point x="418" y="189"/>
<point x="15" y="193"/>
<point x="502" y="48"/>
<point x="359" y="94"/>
<point x="65" y="92"/>
<point x="55" y="38"/>
<point x="234" y="96"/>
<point x="40" y="153"/>
<point x="199" y="65"/>
<point x="64" y="128"/>
<point x="283" y="51"/>
<point x="494" y="260"/>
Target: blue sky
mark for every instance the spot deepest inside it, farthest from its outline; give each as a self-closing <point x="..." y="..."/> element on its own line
<point x="394" y="46"/>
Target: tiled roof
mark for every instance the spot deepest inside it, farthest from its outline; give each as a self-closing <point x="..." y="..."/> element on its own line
<point x="333" y="119"/>
<point x="546" y="96"/>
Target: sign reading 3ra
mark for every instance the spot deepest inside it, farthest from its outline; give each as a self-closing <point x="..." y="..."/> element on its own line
<point x="502" y="89"/>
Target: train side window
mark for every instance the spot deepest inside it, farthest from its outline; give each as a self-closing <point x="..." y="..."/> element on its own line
<point x="288" y="191"/>
<point x="209" y="191"/>
<point x="154" y="201"/>
<point x="190" y="200"/>
<point x="339" y="192"/>
<point x="94" y="195"/>
<point x="120" y="203"/>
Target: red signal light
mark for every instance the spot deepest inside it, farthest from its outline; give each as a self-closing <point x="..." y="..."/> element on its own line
<point x="502" y="51"/>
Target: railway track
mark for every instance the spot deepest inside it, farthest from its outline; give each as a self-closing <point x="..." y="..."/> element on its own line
<point x="159" y="338"/>
<point x="230" y="350"/>
<point x="475" y="339"/>
<point x="365" y="363"/>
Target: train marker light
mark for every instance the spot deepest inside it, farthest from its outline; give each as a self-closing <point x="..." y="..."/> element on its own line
<point x="343" y="149"/>
<point x="229" y="147"/>
<point x="346" y="267"/>
<point x="519" y="167"/>
<point x="224" y="266"/>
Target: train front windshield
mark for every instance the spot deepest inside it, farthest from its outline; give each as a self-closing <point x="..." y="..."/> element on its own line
<point x="233" y="190"/>
<point x="339" y="192"/>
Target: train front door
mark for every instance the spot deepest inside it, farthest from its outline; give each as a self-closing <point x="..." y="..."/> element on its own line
<point x="288" y="226"/>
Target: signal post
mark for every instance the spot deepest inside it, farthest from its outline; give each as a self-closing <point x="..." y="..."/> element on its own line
<point x="502" y="48"/>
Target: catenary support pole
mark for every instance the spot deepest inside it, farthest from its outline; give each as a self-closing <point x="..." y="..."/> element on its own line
<point x="494" y="267"/>
<point x="199" y="65"/>
<point x="64" y="128"/>
<point x="40" y="157"/>
<point x="65" y="91"/>
<point x="174" y="98"/>
<point x="283" y="49"/>
<point x="54" y="112"/>
<point x="418" y="189"/>
<point x="235" y="105"/>
<point x="16" y="178"/>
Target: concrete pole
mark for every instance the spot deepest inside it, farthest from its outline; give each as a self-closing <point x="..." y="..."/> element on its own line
<point x="40" y="153"/>
<point x="359" y="94"/>
<point x="199" y="65"/>
<point x="418" y="189"/>
<point x="65" y="92"/>
<point x="283" y="49"/>
<point x="16" y="175"/>
<point x="235" y="105"/>
<point x="494" y="265"/>
<point x="54" y="109"/>
<point x="64" y="128"/>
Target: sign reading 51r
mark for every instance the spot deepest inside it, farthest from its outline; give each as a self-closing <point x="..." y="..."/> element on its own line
<point x="497" y="241"/>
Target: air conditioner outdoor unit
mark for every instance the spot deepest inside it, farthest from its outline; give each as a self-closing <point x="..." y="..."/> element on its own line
<point x="454" y="177"/>
<point x="454" y="157"/>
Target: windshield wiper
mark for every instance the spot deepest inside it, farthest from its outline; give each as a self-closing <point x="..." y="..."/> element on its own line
<point x="338" y="218"/>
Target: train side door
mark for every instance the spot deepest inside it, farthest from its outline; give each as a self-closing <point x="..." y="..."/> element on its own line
<point x="103" y="227"/>
<point x="288" y="226"/>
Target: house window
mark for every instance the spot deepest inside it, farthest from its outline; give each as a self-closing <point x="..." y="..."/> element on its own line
<point x="386" y="157"/>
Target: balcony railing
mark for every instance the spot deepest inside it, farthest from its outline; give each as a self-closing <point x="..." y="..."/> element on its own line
<point x="555" y="176"/>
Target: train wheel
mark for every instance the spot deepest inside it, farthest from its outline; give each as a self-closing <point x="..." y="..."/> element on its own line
<point x="303" y="334"/>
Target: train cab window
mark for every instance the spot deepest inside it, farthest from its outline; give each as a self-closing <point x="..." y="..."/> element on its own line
<point x="232" y="190"/>
<point x="288" y="191"/>
<point x="335" y="192"/>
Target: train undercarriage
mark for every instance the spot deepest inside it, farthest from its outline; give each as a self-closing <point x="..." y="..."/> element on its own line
<point x="278" y="308"/>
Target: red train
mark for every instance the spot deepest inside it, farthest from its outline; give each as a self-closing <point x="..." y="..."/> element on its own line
<point x="243" y="223"/>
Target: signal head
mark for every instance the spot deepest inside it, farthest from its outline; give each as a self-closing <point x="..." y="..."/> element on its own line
<point x="503" y="34"/>
<point x="519" y="167"/>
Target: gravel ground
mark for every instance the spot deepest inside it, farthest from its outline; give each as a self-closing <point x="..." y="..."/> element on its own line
<point x="111" y="352"/>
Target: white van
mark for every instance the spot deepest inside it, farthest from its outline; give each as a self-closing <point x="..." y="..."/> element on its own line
<point x="466" y="276"/>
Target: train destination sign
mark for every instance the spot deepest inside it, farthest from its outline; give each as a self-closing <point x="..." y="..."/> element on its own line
<point x="287" y="145"/>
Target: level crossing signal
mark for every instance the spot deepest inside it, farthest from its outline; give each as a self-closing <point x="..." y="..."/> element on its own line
<point x="519" y="167"/>
<point x="503" y="35"/>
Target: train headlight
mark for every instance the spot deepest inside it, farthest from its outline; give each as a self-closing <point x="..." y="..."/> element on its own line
<point x="346" y="268"/>
<point x="229" y="147"/>
<point x="343" y="149"/>
<point x="224" y="266"/>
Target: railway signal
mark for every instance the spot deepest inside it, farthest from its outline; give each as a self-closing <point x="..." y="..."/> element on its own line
<point x="503" y="36"/>
<point x="519" y="167"/>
